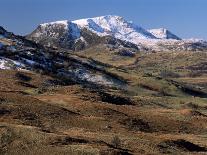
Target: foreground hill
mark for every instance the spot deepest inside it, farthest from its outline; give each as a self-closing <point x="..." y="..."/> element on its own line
<point x="19" y="53"/>
<point x="101" y="100"/>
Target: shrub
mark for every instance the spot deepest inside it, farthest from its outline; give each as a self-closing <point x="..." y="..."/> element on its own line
<point x="116" y="142"/>
<point x="195" y="74"/>
<point x="169" y="74"/>
<point x="165" y="91"/>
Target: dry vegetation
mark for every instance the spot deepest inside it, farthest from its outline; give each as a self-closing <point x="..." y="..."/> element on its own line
<point x="154" y="114"/>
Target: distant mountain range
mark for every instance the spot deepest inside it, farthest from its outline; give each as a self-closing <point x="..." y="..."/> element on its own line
<point x="79" y="34"/>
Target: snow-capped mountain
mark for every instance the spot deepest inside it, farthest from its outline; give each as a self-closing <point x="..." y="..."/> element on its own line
<point x="69" y="35"/>
<point x="114" y="26"/>
<point x="163" y="33"/>
<point x="82" y="33"/>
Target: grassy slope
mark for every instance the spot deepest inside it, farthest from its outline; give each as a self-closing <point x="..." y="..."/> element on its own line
<point x="41" y="118"/>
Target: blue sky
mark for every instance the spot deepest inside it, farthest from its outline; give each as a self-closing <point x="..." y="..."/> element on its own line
<point x="186" y="18"/>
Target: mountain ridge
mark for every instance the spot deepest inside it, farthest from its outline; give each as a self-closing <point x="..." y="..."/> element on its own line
<point x="69" y="33"/>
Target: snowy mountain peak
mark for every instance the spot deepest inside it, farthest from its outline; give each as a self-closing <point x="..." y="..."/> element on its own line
<point x="104" y="21"/>
<point x="115" y="26"/>
<point x="163" y="33"/>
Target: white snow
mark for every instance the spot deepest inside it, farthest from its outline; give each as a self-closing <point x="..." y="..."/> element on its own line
<point x="82" y="39"/>
<point x="160" y="33"/>
<point x="64" y="22"/>
<point x="85" y="75"/>
<point x="6" y="63"/>
<point x="30" y="62"/>
<point x="163" y="33"/>
<point x="115" y="26"/>
<point x="96" y="79"/>
<point x="3" y="64"/>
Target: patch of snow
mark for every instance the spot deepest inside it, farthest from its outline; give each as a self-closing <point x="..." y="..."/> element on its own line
<point x="64" y="22"/>
<point x="6" y="63"/>
<point x="82" y="39"/>
<point x="30" y="62"/>
<point x="84" y="75"/>
<point x="29" y="53"/>
<point x="3" y="64"/>
<point x="162" y="33"/>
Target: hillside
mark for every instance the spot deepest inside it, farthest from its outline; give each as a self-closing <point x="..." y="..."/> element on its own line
<point x="100" y="100"/>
